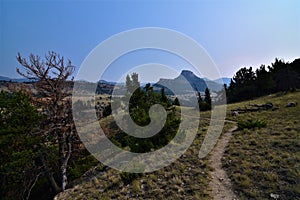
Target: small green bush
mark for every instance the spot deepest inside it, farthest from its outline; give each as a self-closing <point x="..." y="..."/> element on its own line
<point x="129" y="177"/>
<point x="251" y="124"/>
<point x="78" y="167"/>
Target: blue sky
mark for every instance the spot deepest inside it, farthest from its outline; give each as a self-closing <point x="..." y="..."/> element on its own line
<point x="234" y="33"/>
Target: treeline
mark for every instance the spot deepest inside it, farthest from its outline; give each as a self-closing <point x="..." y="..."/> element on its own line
<point x="279" y="76"/>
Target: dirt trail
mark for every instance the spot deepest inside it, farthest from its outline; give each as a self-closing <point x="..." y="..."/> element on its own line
<point x="220" y="183"/>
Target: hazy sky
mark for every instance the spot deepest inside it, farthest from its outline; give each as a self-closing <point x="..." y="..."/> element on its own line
<point x="234" y="33"/>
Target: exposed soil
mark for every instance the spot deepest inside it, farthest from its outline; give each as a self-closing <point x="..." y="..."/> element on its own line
<point x="220" y="183"/>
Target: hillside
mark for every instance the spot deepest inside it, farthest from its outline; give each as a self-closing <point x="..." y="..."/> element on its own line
<point x="102" y="87"/>
<point x="264" y="163"/>
<point x="260" y="162"/>
<point x="187" y="177"/>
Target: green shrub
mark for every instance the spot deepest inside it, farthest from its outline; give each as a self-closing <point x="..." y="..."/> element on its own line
<point x="78" y="166"/>
<point x="251" y="124"/>
<point x="203" y="106"/>
<point x="129" y="177"/>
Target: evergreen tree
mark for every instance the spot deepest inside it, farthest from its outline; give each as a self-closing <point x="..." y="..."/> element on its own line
<point x="176" y="102"/>
<point x="295" y="66"/>
<point x="264" y="82"/>
<point x="19" y="154"/>
<point x="129" y="84"/>
<point x="199" y="97"/>
<point x="164" y="99"/>
<point x="206" y="104"/>
<point x="242" y="86"/>
<point x="207" y="97"/>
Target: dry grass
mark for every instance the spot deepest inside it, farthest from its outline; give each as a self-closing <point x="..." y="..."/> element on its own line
<point x="186" y="178"/>
<point x="267" y="160"/>
<point x="258" y="161"/>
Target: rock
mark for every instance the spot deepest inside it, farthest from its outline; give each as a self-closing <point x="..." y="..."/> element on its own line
<point x="234" y="113"/>
<point x="274" y="196"/>
<point x="221" y="179"/>
<point x="291" y="104"/>
<point x="228" y="162"/>
<point x="268" y="106"/>
<point x="63" y="195"/>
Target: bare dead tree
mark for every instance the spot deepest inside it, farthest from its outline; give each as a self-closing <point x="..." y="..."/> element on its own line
<point x="53" y="79"/>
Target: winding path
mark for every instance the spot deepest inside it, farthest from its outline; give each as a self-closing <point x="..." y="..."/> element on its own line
<point x="220" y="183"/>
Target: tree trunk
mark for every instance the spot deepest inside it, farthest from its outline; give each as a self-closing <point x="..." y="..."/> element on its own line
<point x="50" y="176"/>
<point x="65" y="156"/>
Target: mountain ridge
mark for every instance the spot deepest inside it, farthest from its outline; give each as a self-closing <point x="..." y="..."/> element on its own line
<point x="186" y="80"/>
<point x="17" y="80"/>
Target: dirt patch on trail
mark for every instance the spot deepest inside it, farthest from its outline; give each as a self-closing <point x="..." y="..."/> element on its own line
<point x="220" y="183"/>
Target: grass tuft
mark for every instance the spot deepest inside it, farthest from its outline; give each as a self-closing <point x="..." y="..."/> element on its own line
<point x="251" y="124"/>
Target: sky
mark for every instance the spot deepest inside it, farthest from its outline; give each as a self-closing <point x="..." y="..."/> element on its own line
<point x="234" y="33"/>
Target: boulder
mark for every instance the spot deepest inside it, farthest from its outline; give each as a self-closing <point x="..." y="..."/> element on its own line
<point x="291" y="104"/>
<point x="234" y="113"/>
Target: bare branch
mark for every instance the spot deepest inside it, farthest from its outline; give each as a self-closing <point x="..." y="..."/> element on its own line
<point x="32" y="186"/>
<point x="53" y="76"/>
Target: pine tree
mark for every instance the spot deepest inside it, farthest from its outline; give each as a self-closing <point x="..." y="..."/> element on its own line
<point x="164" y="99"/>
<point x="176" y="102"/>
<point x="19" y="153"/>
<point x="207" y="97"/>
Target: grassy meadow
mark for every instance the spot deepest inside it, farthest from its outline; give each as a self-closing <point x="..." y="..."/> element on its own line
<point x="264" y="163"/>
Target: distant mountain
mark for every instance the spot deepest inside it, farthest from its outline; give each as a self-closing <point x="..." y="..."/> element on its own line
<point x="3" y="78"/>
<point x="186" y="80"/>
<point x="223" y="81"/>
<point x="108" y="82"/>
<point x="16" y="80"/>
<point x="206" y="79"/>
